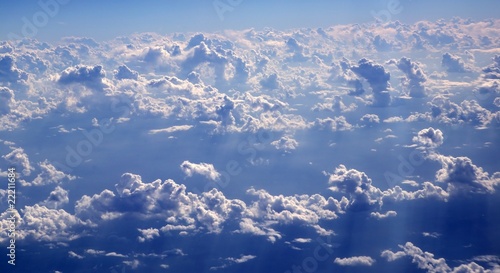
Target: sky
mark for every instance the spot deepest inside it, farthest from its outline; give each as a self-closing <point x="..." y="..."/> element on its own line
<point x="249" y="136"/>
<point x="108" y="19"/>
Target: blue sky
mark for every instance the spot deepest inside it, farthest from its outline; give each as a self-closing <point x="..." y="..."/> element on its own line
<point x="107" y="19"/>
<point x="250" y="136"/>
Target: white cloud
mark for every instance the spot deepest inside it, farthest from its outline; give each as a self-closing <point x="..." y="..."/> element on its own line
<point x="171" y="129"/>
<point x="426" y="261"/>
<point x="18" y="157"/>
<point x="204" y="169"/>
<point x="379" y="215"/>
<point x="355" y="261"/>
<point x="57" y="198"/>
<point x="429" y="137"/>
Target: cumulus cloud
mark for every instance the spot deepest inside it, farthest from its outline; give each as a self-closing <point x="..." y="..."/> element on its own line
<point x="357" y="185"/>
<point x="369" y="120"/>
<point x="462" y="174"/>
<point x="148" y="234"/>
<point x="355" y="261"/>
<point x="454" y="63"/>
<point x="493" y="71"/>
<point x="378" y="79"/>
<point x="429" y="137"/>
<point x="379" y="215"/>
<point x="48" y="175"/>
<point x="6" y="100"/>
<point x="18" y="157"/>
<point x="89" y="76"/>
<point x="124" y="72"/>
<point x="56" y="199"/>
<point x="204" y="169"/>
<point x="415" y="77"/>
<point x="426" y="260"/>
<point x="285" y="143"/>
<point x="9" y="73"/>
<point x="50" y="225"/>
<point x="334" y="124"/>
<point x="468" y="111"/>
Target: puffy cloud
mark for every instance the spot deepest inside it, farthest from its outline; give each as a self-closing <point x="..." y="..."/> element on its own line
<point x="6" y="100"/>
<point x="48" y="175"/>
<point x="124" y="72"/>
<point x="271" y="82"/>
<point x="378" y="79"/>
<point x="469" y="111"/>
<point x="19" y="158"/>
<point x="493" y="71"/>
<point x="148" y="234"/>
<point x="9" y="73"/>
<point x="357" y="185"/>
<point x="305" y="210"/>
<point x="379" y="215"/>
<point x="285" y="143"/>
<point x="333" y="124"/>
<point x="161" y="200"/>
<point x="415" y="77"/>
<point x="426" y="261"/>
<point x="454" y="63"/>
<point x="336" y="105"/>
<point x="89" y="76"/>
<point x="489" y="88"/>
<point x="57" y="198"/>
<point x="44" y="224"/>
<point x="202" y="54"/>
<point x="355" y="261"/>
<point x="429" y="137"/>
<point x="204" y="169"/>
<point x="369" y="119"/>
<point x="462" y="174"/>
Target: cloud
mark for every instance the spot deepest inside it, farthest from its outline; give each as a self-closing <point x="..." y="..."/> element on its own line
<point x="72" y="254"/>
<point x="334" y="124"/>
<point x="357" y="185"/>
<point x="426" y="261"/>
<point x="415" y="77"/>
<point x="57" y="198"/>
<point x="50" y="225"/>
<point x="429" y="137"/>
<point x="468" y="111"/>
<point x="493" y="71"/>
<point x="285" y="143"/>
<point x="271" y="82"/>
<point x="9" y="73"/>
<point x="6" y="100"/>
<point x="124" y="72"/>
<point x="204" y="169"/>
<point x="379" y="215"/>
<point x="462" y="174"/>
<point x="454" y="63"/>
<point x="171" y="129"/>
<point x="18" y="158"/>
<point x="48" y="175"/>
<point x="355" y="261"/>
<point x="230" y="261"/>
<point x="302" y="240"/>
<point x="148" y="234"/>
<point x="378" y="79"/>
<point x="369" y="119"/>
<point x="89" y="76"/>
